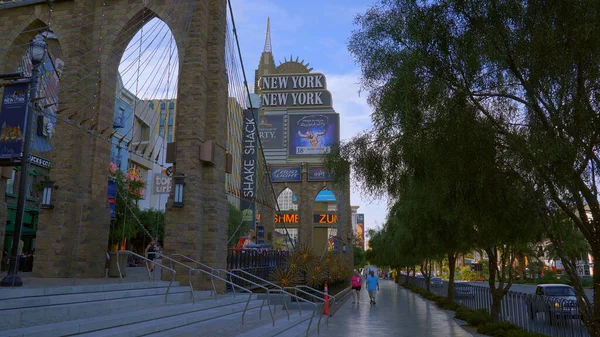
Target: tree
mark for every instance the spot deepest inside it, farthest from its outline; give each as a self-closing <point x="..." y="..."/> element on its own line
<point x="236" y="227"/>
<point x="124" y="225"/>
<point x="529" y="67"/>
<point x="359" y="257"/>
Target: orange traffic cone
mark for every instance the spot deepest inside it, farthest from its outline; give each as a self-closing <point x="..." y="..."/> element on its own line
<point x="326" y="308"/>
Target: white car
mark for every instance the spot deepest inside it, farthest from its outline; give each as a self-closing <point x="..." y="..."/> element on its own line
<point x="555" y="300"/>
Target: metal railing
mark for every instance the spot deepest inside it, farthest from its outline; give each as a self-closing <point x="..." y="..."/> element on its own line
<point x="553" y="316"/>
<point x="190" y="270"/>
<point x="209" y="271"/>
<point x="267" y="299"/>
<point x="313" y="296"/>
<point x="128" y="252"/>
<point x="284" y="293"/>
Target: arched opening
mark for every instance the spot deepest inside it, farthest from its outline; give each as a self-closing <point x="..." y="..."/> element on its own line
<point x="325" y="220"/>
<point x="285" y="235"/>
<point x="144" y="122"/>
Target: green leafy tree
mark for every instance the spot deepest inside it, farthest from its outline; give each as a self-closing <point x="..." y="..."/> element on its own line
<point x="126" y="209"/>
<point x="529" y="67"/>
<point x="235" y="228"/>
<point x="359" y="257"/>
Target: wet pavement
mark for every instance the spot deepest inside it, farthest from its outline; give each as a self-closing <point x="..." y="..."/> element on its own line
<point x="398" y="312"/>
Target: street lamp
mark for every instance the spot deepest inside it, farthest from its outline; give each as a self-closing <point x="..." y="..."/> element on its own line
<point x="37" y="52"/>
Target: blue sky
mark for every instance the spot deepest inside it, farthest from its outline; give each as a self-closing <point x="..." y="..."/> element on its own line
<point x="316" y="31"/>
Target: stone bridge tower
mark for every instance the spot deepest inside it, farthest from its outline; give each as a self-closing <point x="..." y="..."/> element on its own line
<point x="92" y="35"/>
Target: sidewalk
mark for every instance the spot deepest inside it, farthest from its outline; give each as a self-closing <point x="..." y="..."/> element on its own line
<point x="398" y="312"/>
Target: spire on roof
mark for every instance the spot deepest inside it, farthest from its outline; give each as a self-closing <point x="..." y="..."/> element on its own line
<point x="267" y="47"/>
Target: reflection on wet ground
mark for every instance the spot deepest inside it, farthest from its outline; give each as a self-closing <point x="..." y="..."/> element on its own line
<point x="398" y="312"/>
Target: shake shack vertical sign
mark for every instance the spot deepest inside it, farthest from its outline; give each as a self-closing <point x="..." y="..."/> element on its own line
<point x="295" y="91"/>
<point x="249" y="164"/>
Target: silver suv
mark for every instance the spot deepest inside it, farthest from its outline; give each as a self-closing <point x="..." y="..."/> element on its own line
<point x="557" y="301"/>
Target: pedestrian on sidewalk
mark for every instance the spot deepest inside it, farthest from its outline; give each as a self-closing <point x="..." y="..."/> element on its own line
<point x="356" y="282"/>
<point x="372" y="286"/>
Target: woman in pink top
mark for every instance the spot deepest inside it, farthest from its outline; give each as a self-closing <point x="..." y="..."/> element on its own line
<point x="356" y="282"/>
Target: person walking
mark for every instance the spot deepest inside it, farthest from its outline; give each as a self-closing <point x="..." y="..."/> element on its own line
<point x="356" y="282"/>
<point x="372" y="286"/>
<point x="152" y="250"/>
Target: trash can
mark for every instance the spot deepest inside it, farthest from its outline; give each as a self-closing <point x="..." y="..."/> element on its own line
<point x="113" y="271"/>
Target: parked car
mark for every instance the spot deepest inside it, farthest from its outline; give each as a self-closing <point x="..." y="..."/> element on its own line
<point x="556" y="301"/>
<point x="463" y="289"/>
<point x="436" y="282"/>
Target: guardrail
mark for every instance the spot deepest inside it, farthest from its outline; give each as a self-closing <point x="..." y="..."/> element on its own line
<point x="257" y="285"/>
<point x="261" y="261"/>
<point x="128" y="252"/>
<point x="313" y="296"/>
<point x="553" y="316"/>
<point x="209" y="271"/>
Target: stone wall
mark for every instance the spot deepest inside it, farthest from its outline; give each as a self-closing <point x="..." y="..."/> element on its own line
<point x="72" y="238"/>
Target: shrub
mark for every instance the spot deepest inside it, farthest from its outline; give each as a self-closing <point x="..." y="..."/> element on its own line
<point x="474" y="318"/>
<point x="521" y="333"/>
<point x="445" y="303"/>
<point x="462" y="313"/>
<point x="497" y="329"/>
<point x="587" y="282"/>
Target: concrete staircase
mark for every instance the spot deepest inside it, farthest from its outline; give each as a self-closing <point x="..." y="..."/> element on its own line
<point x="139" y="309"/>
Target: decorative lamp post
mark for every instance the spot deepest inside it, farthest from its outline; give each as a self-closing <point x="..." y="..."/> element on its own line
<point x="178" y="197"/>
<point x="37" y="52"/>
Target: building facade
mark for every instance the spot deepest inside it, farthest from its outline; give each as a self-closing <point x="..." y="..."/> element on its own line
<point x="297" y="126"/>
<point x="234" y="147"/>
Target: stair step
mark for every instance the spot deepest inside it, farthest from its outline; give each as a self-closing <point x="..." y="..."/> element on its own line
<point x="8" y="293"/>
<point x="114" y="320"/>
<point x="171" y="322"/>
<point x="71" y="298"/>
<point x="299" y="330"/>
<point x="281" y="326"/>
<point x="24" y="317"/>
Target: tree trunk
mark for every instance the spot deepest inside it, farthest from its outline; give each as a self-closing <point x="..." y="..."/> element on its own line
<point x="426" y="271"/>
<point x="451" y="268"/>
<point x="594" y="325"/>
<point x="496" y="305"/>
<point x="407" y="276"/>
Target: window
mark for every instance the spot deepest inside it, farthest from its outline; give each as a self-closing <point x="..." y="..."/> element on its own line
<point x="170" y="134"/>
<point x="172" y="106"/>
<point x="161" y="131"/>
<point x="31" y="184"/>
<point x="171" y="117"/>
<point x="10" y="184"/>
<point x="162" y="116"/>
<point x="119" y="118"/>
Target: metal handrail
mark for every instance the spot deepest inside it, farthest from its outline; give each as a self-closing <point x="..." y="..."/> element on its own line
<point x="283" y="291"/>
<point x="314" y="296"/>
<point x="233" y="285"/>
<point x="257" y="285"/>
<point x="318" y="292"/>
<point x="190" y="276"/>
<point x="173" y="272"/>
<point x="300" y="310"/>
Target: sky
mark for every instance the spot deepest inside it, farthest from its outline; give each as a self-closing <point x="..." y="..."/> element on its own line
<point x="316" y="31"/>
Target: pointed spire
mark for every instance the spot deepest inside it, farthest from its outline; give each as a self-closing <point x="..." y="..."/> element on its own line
<point x="267" y="48"/>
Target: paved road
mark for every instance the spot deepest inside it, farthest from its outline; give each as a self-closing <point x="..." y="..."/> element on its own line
<point x="398" y="312"/>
